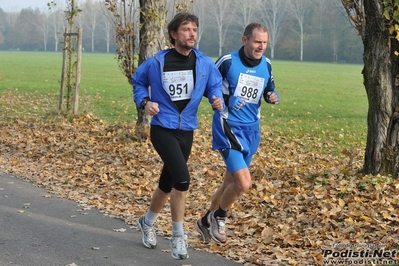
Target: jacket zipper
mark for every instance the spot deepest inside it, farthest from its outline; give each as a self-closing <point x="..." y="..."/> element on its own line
<point x="177" y="109"/>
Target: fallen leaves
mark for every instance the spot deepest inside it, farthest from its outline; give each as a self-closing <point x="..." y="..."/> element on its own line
<point x="304" y="197"/>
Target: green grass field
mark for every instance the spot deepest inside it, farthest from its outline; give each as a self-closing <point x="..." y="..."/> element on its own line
<point x="307" y="180"/>
<point x="318" y="98"/>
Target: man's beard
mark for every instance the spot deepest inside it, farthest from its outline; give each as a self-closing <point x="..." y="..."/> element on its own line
<point x="186" y="46"/>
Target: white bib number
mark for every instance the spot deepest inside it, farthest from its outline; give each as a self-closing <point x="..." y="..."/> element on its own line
<point x="249" y="88"/>
<point x="179" y="84"/>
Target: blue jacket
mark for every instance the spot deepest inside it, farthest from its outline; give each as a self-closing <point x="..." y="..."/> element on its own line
<point x="147" y="82"/>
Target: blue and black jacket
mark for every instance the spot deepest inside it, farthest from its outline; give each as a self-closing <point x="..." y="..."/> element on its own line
<point x="147" y="83"/>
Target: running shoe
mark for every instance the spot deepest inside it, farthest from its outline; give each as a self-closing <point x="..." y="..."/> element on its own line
<point x="149" y="237"/>
<point x="217" y="228"/>
<point x="203" y="230"/>
<point x="179" y="247"/>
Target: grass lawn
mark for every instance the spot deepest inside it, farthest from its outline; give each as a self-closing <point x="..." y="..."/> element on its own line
<point x="307" y="196"/>
<point x="323" y="99"/>
<point x="318" y="98"/>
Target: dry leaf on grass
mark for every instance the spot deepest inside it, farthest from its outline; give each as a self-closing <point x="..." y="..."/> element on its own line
<point x="302" y="198"/>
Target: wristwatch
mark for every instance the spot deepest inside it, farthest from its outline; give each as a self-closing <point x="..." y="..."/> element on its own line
<point x="144" y="102"/>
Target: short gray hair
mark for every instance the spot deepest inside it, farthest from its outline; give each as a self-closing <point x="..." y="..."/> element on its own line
<point x="250" y="28"/>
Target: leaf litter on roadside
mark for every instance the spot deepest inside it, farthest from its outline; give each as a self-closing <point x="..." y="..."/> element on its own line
<point x="302" y="200"/>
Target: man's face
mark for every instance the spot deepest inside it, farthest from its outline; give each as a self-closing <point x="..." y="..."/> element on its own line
<point x="256" y="45"/>
<point x="185" y="36"/>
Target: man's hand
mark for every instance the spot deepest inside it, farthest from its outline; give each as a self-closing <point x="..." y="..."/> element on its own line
<point x="217" y="103"/>
<point x="151" y="108"/>
<point x="236" y="102"/>
<point x="273" y="97"/>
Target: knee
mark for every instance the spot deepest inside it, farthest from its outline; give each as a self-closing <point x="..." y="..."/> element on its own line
<point x="165" y="185"/>
<point x="242" y="183"/>
<point x="182" y="186"/>
<point x="164" y="188"/>
<point x="243" y="186"/>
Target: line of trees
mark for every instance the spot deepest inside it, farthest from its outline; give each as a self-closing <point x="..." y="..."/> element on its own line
<point x="298" y="29"/>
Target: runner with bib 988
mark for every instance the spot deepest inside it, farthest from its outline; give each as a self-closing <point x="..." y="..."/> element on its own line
<point x="247" y="78"/>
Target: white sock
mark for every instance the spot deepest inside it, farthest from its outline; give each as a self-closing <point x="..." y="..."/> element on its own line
<point x="177" y="228"/>
<point x="150" y="217"/>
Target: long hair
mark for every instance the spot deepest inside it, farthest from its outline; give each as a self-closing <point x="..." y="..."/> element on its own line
<point x="179" y="19"/>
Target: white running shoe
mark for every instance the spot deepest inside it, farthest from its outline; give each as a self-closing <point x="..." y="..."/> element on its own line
<point x="149" y="237"/>
<point x="179" y="247"/>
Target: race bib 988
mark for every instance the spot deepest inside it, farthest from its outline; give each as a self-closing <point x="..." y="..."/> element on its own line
<point x="249" y="88"/>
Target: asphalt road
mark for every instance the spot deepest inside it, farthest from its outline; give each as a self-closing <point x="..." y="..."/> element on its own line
<point x="39" y="231"/>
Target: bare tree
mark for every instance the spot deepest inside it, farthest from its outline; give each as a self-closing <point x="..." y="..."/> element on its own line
<point x="125" y="20"/>
<point x="57" y="23"/>
<point x="245" y="12"/>
<point x="184" y="5"/>
<point x="377" y="24"/>
<point x="89" y="15"/>
<point x="175" y="6"/>
<point x="106" y="25"/>
<point x="152" y="39"/>
<point x="329" y="16"/>
<point x="152" y="18"/>
<point x="220" y="11"/>
<point x="273" y="14"/>
<point x="200" y="11"/>
<point x="322" y="9"/>
<point x="79" y="20"/>
<point x="12" y="18"/>
<point x="299" y="8"/>
<point x="152" y="27"/>
<point x="43" y="26"/>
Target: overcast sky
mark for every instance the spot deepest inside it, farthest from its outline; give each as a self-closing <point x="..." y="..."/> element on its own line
<point x="17" y="5"/>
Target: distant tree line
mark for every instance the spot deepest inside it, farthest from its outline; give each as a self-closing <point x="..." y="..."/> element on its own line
<point x="302" y="30"/>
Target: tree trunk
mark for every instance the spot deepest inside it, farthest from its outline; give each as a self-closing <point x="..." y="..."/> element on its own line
<point x="379" y="73"/>
<point x="153" y="29"/>
<point x="152" y="39"/>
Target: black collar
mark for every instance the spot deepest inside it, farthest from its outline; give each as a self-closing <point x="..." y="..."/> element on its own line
<point x="248" y="62"/>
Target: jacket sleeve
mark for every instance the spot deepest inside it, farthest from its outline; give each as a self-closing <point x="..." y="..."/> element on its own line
<point x="140" y="83"/>
<point x="214" y="84"/>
